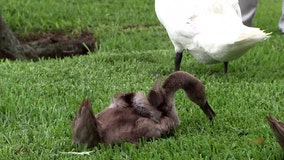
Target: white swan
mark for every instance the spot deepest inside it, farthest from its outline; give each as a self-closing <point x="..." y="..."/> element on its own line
<point x="212" y="30"/>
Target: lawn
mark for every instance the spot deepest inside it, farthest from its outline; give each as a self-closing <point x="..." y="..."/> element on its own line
<point x="38" y="100"/>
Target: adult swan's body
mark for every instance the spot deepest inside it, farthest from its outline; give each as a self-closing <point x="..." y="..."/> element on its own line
<point x="212" y="30"/>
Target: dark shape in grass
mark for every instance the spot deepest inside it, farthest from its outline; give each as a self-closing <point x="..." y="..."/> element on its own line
<point x="54" y="45"/>
<point x="278" y="130"/>
<point x="132" y="116"/>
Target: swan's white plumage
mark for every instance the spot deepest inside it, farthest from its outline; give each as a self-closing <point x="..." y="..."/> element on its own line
<point x="212" y="30"/>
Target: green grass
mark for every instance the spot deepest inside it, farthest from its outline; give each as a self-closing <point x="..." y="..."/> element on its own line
<point x="39" y="100"/>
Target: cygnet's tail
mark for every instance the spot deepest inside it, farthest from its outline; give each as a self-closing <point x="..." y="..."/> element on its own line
<point x="84" y="126"/>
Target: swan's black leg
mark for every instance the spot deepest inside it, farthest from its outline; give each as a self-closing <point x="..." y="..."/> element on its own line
<point x="178" y="59"/>
<point x="225" y="67"/>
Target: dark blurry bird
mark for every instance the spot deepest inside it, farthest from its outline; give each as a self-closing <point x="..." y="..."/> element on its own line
<point x="212" y="30"/>
<point x="132" y="116"/>
<point x="278" y="130"/>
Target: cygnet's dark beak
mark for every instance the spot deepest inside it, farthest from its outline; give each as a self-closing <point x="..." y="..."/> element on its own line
<point x="208" y="111"/>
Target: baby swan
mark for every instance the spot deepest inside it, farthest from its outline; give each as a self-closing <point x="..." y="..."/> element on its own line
<point x="132" y="116"/>
<point x="278" y="130"/>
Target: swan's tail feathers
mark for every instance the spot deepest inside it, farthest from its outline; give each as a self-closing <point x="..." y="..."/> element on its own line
<point x="278" y="129"/>
<point x="84" y="126"/>
<point x="193" y="88"/>
<point x="254" y="34"/>
<point x="236" y="46"/>
<point x="249" y="38"/>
